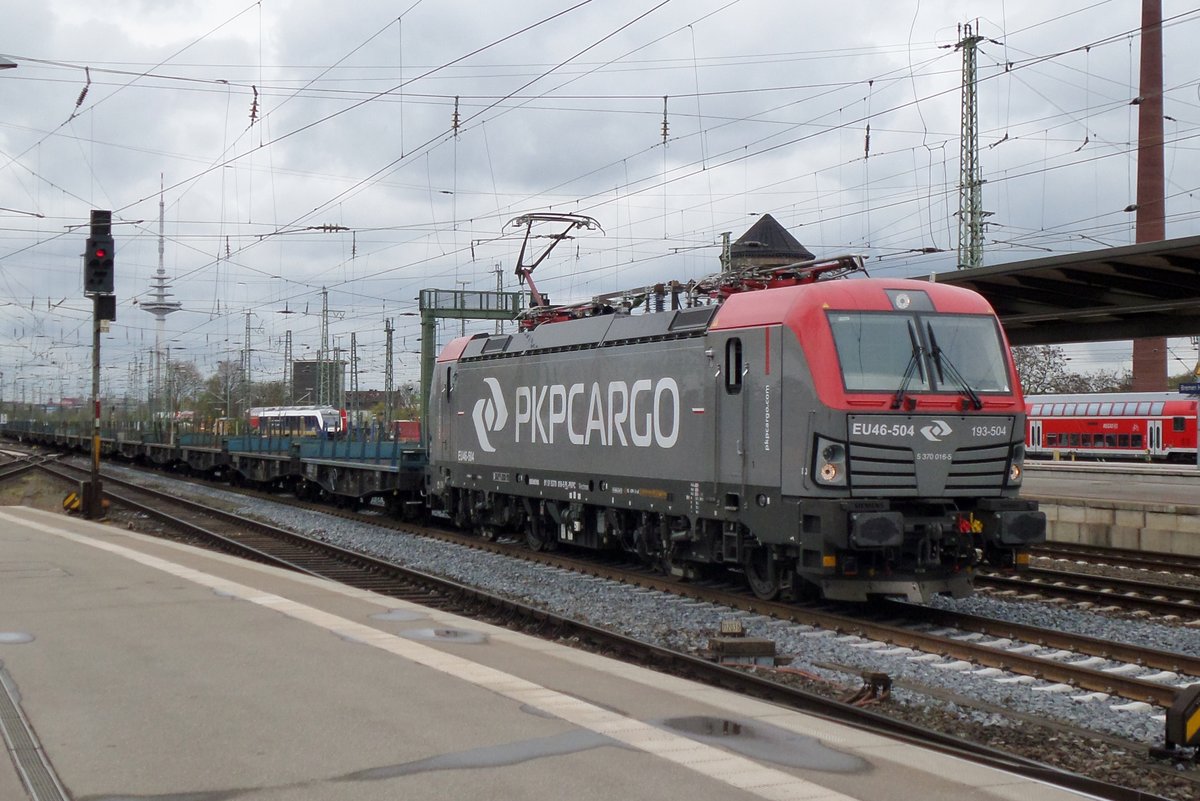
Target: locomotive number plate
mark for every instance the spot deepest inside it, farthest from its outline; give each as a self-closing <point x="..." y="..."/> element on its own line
<point x="869" y="429"/>
<point x="939" y="432"/>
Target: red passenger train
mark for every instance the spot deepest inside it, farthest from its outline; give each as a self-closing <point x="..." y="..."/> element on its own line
<point x="1158" y="426"/>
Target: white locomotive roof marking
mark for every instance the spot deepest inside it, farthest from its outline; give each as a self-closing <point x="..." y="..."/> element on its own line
<point x="718" y="764"/>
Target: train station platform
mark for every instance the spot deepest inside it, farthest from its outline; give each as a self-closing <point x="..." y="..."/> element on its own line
<point x="1140" y="507"/>
<point x="152" y="670"/>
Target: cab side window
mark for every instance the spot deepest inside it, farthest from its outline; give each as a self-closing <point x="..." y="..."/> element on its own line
<point x="733" y="366"/>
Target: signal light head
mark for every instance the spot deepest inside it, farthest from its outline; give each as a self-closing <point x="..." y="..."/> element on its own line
<point x="98" y="266"/>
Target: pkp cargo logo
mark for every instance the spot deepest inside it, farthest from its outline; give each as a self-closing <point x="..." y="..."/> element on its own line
<point x="936" y="430"/>
<point x="490" y="414"/>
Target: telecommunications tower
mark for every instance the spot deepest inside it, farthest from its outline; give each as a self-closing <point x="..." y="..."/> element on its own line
<point x="157" y="302"/>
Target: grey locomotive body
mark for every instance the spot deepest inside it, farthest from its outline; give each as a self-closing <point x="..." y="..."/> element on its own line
<point x="809" y="436"/>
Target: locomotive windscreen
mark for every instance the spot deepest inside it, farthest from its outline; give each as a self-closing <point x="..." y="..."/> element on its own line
<point x="882" y="351"/>
<point x="973" y="345"/>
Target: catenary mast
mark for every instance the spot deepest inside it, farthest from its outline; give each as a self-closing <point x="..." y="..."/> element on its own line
<point x="970" y="183"/>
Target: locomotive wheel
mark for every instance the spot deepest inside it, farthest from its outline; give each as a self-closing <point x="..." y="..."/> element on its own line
<point x="460" y="517"/>
<point x="672" y="567"/>
<point x="534" y="537"/>
<point x="761" y="573"/>
<point x="643" y="552"/>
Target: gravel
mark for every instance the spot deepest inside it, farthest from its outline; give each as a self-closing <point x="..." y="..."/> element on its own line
<point x="686" y="625"/>
<point x="1165" y="635"/>
<point x="985" y="704"/>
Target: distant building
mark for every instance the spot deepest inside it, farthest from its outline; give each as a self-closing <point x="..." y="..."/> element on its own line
<point x="64" y="405"/>
<point x="366" y="398"/>
<point x="306" y="382"/>
<point x="766" y="244"/>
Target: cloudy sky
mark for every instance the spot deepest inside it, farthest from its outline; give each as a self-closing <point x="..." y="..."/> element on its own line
<point x="375" y="148"/>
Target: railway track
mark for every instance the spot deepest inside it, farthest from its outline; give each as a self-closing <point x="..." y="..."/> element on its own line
<point x="251" y="539"/>
<point x="1105" y="591"/>
<point x="261" y="542"/>
<point x="1001" y="646"/>
<point x="1118" y="557"/>
<point x="15" y="464"/>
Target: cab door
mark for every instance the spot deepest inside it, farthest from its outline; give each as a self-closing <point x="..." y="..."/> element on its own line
<point x="730" y="437"/>
<point x="439" y="425"/>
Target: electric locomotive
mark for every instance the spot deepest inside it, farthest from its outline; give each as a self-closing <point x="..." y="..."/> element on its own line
<point x="848" y="438"/>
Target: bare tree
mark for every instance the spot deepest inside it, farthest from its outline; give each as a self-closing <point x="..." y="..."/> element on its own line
<point x="407" y="402"/>
<point x="1041" y="368"/>
<point x="223" y="391"/>
<point x="269" y="393"/>
<point x="185" y="384"/>
<point x="1099" y="381"/>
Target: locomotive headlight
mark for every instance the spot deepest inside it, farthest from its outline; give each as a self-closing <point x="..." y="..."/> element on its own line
<point x="1016" y="466"/>
<point x="830" y="467"/>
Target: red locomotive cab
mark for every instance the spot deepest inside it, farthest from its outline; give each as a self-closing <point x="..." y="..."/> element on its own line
<point x="906" y="346"/>
<point x="910" y="445"/>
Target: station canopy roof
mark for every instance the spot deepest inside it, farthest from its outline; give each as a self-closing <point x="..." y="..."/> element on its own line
<point x="1146" y="290"/>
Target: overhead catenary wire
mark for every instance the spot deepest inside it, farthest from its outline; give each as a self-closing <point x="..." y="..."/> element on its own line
<point x="636" y="212"/>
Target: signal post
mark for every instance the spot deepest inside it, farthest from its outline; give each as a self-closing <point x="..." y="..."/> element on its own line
<point x="98" y="284"/>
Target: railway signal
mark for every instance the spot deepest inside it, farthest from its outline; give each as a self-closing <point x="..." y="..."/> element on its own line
<point x="98" y="284"/>
<point x="98" y="272"/>
<point x="98" y="267"/>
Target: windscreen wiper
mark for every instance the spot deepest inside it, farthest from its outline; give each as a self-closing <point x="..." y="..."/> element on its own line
<point x="914" y="367"/>
<point x="944" y="365"/>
